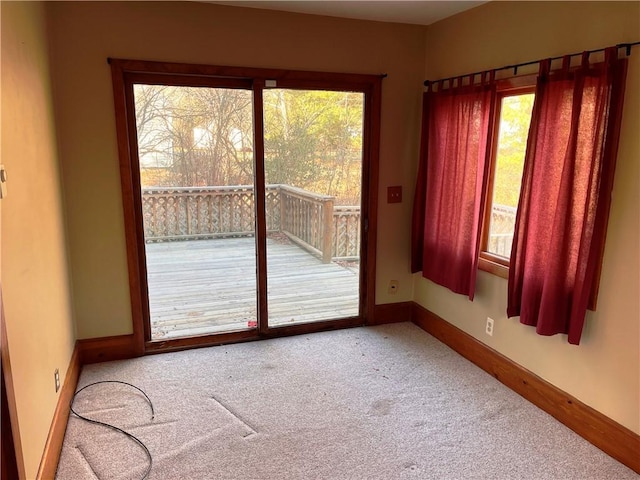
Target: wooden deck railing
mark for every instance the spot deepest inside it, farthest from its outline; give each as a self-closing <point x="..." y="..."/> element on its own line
<point x="308" y="219"/>
<point x="503" y="219"/>
<point x="186" y="213"/>
<point x="346" y="233"/>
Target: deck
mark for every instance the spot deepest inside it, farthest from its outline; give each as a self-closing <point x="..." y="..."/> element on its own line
<point x="209" y="286"/>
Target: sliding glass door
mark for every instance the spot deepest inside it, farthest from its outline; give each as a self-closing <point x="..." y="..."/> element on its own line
<point x="195" y="155"/>
<point x="243" y="199"/>
<point x="313" y="165"/>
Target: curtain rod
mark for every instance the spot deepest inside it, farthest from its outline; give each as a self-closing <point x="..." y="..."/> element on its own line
<point x="518" y="65"/>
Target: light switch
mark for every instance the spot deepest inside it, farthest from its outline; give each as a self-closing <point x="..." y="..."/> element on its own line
<point x="394" y="194"/>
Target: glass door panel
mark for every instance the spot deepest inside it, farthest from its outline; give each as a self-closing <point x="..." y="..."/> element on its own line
<point x="313" y="175"/>
<point x="195" y="151"/>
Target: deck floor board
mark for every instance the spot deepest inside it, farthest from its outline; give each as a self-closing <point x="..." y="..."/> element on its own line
<point x="209" y="286"/>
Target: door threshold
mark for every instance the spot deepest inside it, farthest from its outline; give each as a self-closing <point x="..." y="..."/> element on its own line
<point x="212" y="340"/>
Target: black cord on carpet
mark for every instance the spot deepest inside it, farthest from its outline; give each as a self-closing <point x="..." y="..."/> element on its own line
<point x="113" y="427"/>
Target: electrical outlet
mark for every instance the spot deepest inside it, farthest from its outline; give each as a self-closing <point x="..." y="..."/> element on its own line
<point x="56" y="376"/>
<point x="489" y="328"/>
<point x="393" y="287"/>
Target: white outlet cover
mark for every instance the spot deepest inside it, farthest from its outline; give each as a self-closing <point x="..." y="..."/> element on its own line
<point x="489" y="326"/>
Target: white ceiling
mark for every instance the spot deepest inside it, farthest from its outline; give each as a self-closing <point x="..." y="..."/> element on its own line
<point x="420" y="12"/>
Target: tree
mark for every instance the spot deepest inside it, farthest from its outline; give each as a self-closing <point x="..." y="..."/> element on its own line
<point x="313" y="140"/>
<point x="203" y="136"/>
<point x="193" y="136"/>
<point x="515" y="117"/>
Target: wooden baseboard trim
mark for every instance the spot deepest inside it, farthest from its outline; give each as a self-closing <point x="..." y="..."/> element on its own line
<point x="391" y="313"/>
<point x="105" y="349"/>
<point x="53" y="447"/>
<point x="612" y="438"/>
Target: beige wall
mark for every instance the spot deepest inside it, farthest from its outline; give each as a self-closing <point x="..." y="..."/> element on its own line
<point x="35" y="282"/>
<point x="84" y="34"/>
<point x="604" y="371"/>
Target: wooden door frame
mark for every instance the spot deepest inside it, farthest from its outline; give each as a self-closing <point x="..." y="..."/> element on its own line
<point x="126" y="72"/>
<point x="12" y="457"/>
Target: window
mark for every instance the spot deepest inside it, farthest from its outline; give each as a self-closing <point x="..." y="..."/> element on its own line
<point x="509" y="143"/>
<point x="472" y="169"/>
<point x="509" y="136"/>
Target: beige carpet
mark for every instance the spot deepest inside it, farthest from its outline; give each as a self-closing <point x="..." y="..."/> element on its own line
<point x="387" y="402"/>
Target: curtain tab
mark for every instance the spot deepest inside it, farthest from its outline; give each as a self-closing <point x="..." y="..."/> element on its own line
<point x="543" y="71"/>
<point x="610" y="55"/>
<point x="492" y="76"/>
<point x="585" y="58"/>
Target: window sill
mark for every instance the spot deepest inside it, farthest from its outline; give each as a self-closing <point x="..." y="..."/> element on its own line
<point x="493" y="266"/>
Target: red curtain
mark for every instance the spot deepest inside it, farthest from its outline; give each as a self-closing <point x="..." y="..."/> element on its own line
<point x="450" y="188"/>
<point x="566" y="190"/>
